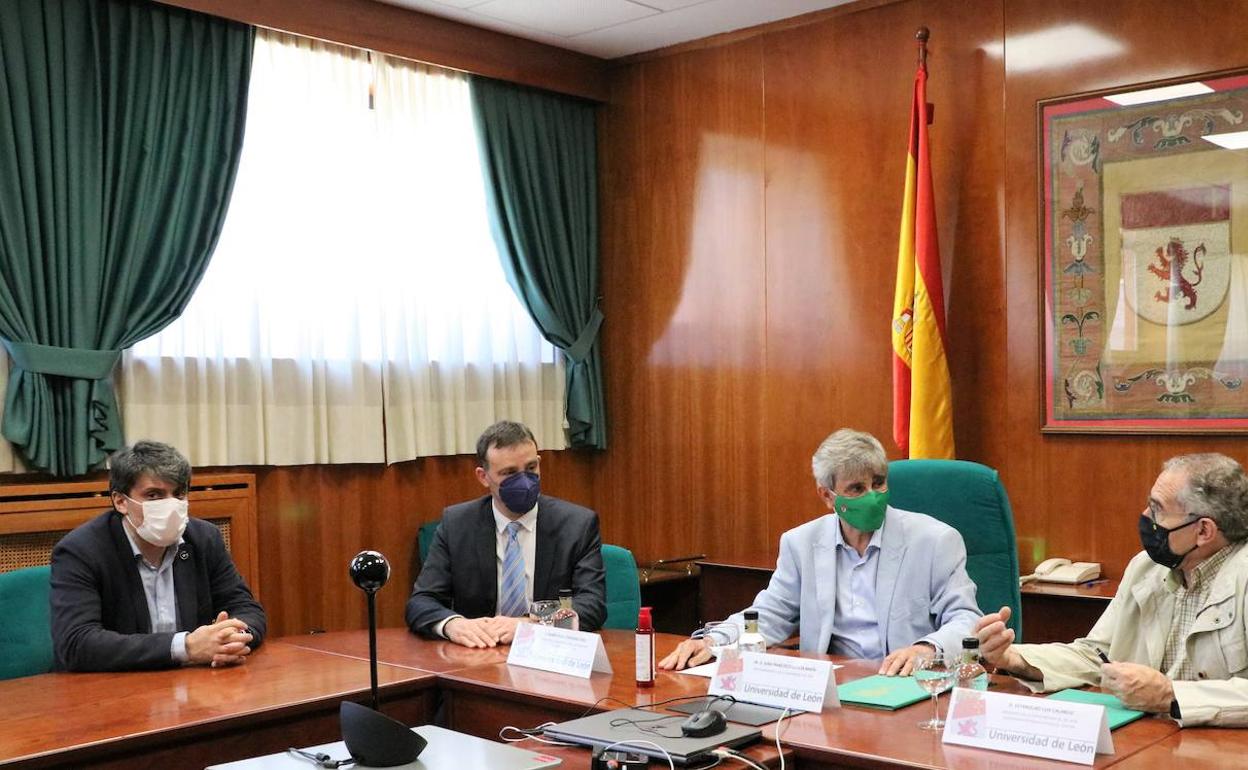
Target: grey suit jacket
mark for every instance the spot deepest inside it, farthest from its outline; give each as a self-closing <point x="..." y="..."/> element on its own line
<point x="100" y="620"/>
<point x="922" y="591"/>
<point x="460" y="577"/>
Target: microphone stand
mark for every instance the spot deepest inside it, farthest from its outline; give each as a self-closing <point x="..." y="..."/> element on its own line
<point x="372" y="738"/>
<point x="372" y="645"/>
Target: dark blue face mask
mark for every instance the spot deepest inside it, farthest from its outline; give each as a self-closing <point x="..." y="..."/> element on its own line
<point x="519" y="491"/>
<point x="1156" y="541"/>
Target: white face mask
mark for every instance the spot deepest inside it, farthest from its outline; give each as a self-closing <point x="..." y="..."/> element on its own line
<point x="164" y="520"/>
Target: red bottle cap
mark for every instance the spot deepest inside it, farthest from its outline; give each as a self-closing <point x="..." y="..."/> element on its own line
<point x="643" y="620"/>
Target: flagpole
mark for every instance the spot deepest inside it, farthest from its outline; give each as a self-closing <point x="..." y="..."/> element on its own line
<point x="921" y="35"/>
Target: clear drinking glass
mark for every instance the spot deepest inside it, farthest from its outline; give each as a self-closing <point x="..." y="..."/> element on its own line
<point x="543" y="611"/>
<point x="719" y="635"/>
<point x="935" y="674"/>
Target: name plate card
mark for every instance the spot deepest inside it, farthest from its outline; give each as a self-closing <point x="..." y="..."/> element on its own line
<point x="1037" y="727"/>
<point x="558" y="650"/>
<point x="781" y="681"/>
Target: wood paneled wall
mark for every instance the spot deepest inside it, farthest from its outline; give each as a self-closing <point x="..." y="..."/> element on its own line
<point x="314" y="518"/>
<point x="750" y="200"/>
<point x="1080" y="495"/>
<point x="751" y="195"/>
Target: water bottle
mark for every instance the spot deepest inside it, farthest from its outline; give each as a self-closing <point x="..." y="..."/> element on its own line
<point x="565" y="616"/>
<point x="752" y="640"/>
<point x="970" y="674"/>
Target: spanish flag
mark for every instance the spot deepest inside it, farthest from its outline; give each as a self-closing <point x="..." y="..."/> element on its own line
<point x="922" y="394"/>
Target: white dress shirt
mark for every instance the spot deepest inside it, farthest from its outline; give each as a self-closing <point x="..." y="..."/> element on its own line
<point x="162" y="599"/>
<point x="527" y="537"/>
<point x="855" y="629"/>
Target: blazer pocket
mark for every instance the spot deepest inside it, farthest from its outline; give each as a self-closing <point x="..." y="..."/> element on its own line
<point x="1235" y="649"/>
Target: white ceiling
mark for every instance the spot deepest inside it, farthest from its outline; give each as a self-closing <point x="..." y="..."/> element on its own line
<point x="611" y="28"/>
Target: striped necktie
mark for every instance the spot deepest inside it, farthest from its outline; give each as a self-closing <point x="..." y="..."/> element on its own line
<point x="511" y="596"/>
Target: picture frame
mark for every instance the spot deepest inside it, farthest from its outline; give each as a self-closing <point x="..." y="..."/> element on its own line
<point x="1144" y="257"/>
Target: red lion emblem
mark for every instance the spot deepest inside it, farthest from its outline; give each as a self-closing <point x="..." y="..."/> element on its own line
<point x="1171" y="259"/>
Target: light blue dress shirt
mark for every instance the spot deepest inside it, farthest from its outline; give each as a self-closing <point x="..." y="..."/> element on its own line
<point x="162" y="599"/>
<point x="855" y="625"/>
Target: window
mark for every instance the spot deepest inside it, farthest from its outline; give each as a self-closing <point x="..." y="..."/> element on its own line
<point x="355" y="309"/>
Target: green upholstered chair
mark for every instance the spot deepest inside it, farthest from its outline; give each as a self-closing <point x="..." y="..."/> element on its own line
<point x="26" y="633"/>
<point x="970" y="498"/>
<point x="424" y="538"/>
<point x="623" y="590"/>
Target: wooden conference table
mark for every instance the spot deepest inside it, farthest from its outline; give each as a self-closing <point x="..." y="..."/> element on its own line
<point x="482" y="698"/>
<point x="283" y="696"/>
<point x="288" y="694"/>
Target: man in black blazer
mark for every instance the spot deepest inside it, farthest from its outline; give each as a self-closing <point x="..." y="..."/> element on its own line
<point x="143" y="586"/>
<point x="492" y="556"/>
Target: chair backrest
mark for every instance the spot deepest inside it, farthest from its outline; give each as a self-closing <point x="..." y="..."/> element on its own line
<point x="970" y="498"/>
<point x="26" y="633"/>
<point x="623" y="589"/>
<point x="424" y="539"/>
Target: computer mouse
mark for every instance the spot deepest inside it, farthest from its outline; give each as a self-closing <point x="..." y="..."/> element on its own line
<point x="703" y="723"/>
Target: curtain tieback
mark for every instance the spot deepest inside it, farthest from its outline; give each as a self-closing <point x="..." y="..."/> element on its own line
<point x="79" y="363"/>
<point x="580" y="349"/>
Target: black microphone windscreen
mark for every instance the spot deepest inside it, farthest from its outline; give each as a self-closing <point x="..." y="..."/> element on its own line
<point x="369" y="570"/>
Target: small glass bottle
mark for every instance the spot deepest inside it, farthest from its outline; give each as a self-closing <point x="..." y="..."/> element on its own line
<point x="752" y="640"/>
<point x="645" y="649"/>
<point x="970" y="674"/>
<point x="565" y="616"/>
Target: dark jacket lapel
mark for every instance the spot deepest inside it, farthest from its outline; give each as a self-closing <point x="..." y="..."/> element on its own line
<point x="544" y="553"/>
<point x="129" y="572"/>
<point x="186" y="588"/>
<point x="486" y="548"/>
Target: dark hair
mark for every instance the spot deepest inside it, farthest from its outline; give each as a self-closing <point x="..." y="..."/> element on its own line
<point x="502" y="434"/>
<point x="153" y="458"/>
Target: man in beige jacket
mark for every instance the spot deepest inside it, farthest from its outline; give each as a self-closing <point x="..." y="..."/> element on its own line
<point x="1176" y="633"/>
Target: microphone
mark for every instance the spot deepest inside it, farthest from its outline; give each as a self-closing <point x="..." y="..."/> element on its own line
<point x="373" y="738"/>
<point x="369" y="571"/>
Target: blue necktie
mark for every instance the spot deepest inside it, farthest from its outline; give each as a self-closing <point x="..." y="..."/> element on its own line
<point x="511" y="598"/>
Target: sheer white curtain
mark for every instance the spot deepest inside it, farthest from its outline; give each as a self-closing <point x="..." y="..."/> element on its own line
<point x="354" y="310"/>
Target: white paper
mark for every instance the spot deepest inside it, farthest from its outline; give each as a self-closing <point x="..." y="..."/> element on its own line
<point x="1037" y="727"/>
<point x="780" y="681"/>
<point x="706" y="670"/>
<point x="559" y="650"/>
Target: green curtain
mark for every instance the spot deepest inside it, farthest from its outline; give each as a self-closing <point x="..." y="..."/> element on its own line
<point x="120" y="134"/>
<point x="539" y="159"/>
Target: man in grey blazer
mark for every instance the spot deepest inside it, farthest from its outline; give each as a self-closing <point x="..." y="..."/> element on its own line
<point x="494" y="555"/>
<point x="866" y="580"/>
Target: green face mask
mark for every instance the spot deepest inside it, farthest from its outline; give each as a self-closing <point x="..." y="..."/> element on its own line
<point x="864" y="513"/>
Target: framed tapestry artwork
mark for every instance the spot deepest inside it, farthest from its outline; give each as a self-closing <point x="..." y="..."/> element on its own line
<point x="1144" y="217"/>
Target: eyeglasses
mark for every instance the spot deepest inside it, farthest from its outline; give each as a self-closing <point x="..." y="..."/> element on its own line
<point x="1191" y="519"/>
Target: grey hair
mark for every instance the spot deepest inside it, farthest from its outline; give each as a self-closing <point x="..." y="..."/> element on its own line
<point x="1216" y="488"/>
<point x="848" y="453"/>
<point x="153" y="458"/>
<point x="501" y="435"/>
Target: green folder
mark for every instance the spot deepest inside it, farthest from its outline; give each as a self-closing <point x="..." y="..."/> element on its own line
<point x="882" y="692"/>
<point x="1117" y="714"/>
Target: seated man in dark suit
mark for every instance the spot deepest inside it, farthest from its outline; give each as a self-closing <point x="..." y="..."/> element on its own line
<point x="143" y="586"/>
<point x="493" y="555"/>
